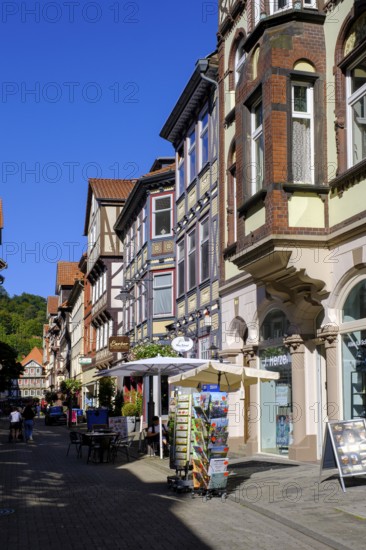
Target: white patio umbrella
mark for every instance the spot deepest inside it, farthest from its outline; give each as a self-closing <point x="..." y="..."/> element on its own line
<point x="227" y="375"/>
<point x="154" y="366"/>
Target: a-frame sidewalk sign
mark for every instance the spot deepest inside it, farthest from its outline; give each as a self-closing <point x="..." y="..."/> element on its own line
<point x="345" y="448"/>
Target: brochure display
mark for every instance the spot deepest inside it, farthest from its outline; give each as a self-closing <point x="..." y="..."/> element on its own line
<point x="345" y="448"/>
<point x="209" y="443"/>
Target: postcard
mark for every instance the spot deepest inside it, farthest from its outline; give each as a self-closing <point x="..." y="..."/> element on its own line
<point x="218" y="465"/>
<point x="218" y="481"/>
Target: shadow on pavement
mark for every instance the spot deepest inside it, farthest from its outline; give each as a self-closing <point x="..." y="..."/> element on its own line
<point x="240" y="471"/>
<point x="63" y="502"/>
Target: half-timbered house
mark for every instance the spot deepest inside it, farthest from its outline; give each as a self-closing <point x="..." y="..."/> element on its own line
<point x="105" y="201"/>
<point x="192" y="129"/>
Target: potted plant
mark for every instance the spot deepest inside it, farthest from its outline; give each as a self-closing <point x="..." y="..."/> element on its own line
<point x="132" y="408"/>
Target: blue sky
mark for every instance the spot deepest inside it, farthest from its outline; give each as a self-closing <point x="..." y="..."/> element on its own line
<point x="85" y="90"/>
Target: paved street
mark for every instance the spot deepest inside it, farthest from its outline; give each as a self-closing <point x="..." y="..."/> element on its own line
<point x="61" y="501"/>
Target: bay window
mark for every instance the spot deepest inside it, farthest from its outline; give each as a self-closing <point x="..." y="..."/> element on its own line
<point x="302" y="133"/>
<point x="163" y="294"/>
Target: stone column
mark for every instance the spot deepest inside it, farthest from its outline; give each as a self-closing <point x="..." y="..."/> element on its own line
<point x="251" y="404"/>
<point x="303" y="446"/>
<point x="329" y="335"/>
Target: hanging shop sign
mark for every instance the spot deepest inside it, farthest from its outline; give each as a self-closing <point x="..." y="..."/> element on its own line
<point x="119" y="344"/>
<point x="182" y="344"/>
<point x="85" y="360"/>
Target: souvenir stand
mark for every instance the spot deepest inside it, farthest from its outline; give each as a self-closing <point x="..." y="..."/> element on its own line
<point x="199" y="425"/>
<point x="198" y="433"/>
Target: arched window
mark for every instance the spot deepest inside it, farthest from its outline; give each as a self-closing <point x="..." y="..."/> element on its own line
<point x="274" y="326"/>
<point x="353" y="345"/>
<point x="240" y="56"/>
<point x="355" y="305"/>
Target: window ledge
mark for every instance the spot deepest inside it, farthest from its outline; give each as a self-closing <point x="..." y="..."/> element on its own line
<point x="291" y="188"/>
<point x="252" y="201"/>
<point x="348" y="178"/>
<point x="230" y="117"/>
<point x="204" y="169"/>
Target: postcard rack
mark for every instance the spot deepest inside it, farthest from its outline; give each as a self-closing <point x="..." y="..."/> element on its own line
<point x="209" y="444"/>
<point x="180" y="437"/>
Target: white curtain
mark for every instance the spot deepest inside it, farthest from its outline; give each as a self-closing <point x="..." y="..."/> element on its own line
<point x="301" y="150"/>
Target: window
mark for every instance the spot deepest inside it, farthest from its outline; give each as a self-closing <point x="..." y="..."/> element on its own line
<point x="138" y="232"/>
<point x="257" y="147"/>
<point x="192" y="259"/>
<point x="204" y="348"/>
<point x="356" y="93"/>
<point x="181" y="171"/>
<point x="192" y="155"/>
<point x="309" y="4"/>
<point x="240" y="53"/>
<point x="355" y="305"/>
<point x="204" y="252"/>
<point x="203" y="125"/>
<point x="144" y="225"/>
<point x="140" y="304"/>
<point x="162" y="216"/>
<point x="302" y="133"/>
<point x="279" y="5"/>
<point x="235" y="214"/>
<point x="180" y="268"/>
<point x="163" y="294"/>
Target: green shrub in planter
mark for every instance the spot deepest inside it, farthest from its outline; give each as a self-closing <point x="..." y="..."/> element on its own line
<point x="129" y="409"/>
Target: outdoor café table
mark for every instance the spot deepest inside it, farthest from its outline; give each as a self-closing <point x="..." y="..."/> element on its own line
<point x="103" y="439"/>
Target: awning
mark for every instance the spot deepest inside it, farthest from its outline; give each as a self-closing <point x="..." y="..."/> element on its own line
<point x="227" y="375"/>
<point x="153" y="366"/>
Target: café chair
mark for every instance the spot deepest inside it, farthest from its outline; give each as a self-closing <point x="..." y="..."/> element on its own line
<point x="122" y="445"/>
<point x="76" y="440"/>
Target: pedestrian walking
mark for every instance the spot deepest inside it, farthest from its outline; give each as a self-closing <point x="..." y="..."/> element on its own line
<point x="38" y="410"/>
<point x="15" y="419"/>
<point x="28" y="415"/>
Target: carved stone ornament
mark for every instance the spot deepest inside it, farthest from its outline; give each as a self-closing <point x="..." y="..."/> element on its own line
<point x="294" y="343"/>
<point x="329" y="334"/>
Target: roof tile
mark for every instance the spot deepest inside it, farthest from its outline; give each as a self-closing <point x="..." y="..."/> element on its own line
<point x="67" y="272"/>
<point x="111" y="189"/>
<point x="52" y="305"/>
<point x="34" y="355"/>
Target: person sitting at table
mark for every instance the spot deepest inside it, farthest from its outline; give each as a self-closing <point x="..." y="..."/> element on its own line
<point x="153" y="434"/>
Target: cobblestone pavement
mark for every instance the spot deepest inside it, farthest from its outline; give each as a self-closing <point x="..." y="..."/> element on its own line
<point x="60" y="501"/>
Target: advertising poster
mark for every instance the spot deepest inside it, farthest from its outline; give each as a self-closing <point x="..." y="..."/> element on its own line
<point x="349" y="440"/>
<point x="118" y="424"/>
<point x="283" y="428"/>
